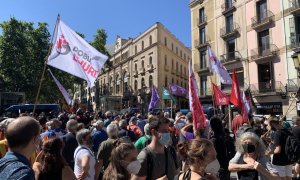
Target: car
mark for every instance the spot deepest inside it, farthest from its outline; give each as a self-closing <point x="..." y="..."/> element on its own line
<point x="15" y="110"/>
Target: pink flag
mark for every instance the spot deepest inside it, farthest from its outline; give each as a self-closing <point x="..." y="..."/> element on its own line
<point x="72" y="54"/>
<point x="217" y="67"/>
<point x="62" y="89"/>
<point x="199" y="119"/>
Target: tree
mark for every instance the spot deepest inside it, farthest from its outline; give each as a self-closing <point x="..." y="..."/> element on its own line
<point x="99" y="41"/>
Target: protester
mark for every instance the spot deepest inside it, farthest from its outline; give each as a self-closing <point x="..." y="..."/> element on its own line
<point x="50" y="163"/>
<point x="237" y="122"/>
<point x="187" y="132"/>
<point x="22" y="137"/>
<point x="108" y="119"/>
<point x="219" y="141"/>
<point x="106" y="147"/>
<point x="99" y="135"/>
<point x="280" y="160"/>
<point x="145" y="140"/>
<point x="141" y="122"/>
<point x="201" y="157"/>
<point x="70" y="142"/>
<point x="123" y="162"/>
<point x="124" y="132"/>
<point x="85" y="162"/>
<point x="296" y="133"/>
<point x="158" y="161"/>
<point x="134" y="128"/>
<point x="250" y="160"/>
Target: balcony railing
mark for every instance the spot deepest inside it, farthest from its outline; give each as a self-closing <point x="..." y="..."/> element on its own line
<point x="202" y="21"/>
<point x="229" y="31"/>
<point x="201" y="43"/>
<point x="142" y="70"/>
<point x="260" y="22"/>
<point x="135" y="73"/>
<point x="267" y="87"/>
<point x="200" y="68"/>
<point x="295" y="41"/>
<point x="294" y="6"/>
<point x="228" y="7"/>
<point x="231" y="57"/>
<point x="150" y="67"/>
<point x="264" y="52"/>
<point x="293" y="85"/>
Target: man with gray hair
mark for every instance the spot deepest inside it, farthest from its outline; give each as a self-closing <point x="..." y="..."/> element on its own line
<point x="107" y="146"/>
<point x="99" y="135"/>
<point x="70" y="142"/>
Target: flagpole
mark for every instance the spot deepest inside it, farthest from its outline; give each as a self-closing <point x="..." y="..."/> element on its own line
<point x="45" y="66"/>
<point x="212" y="96"/>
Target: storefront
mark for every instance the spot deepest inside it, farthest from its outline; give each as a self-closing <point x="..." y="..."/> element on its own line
<point x="267" y="108"/>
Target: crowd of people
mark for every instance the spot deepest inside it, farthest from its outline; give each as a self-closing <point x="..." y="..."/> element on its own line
<point x="129" y="146"/>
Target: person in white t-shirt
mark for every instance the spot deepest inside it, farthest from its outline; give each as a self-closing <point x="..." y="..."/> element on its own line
<point x="85" y="161"/>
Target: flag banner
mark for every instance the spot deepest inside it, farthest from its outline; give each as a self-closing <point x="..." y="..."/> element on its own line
<point x="199" y="119"/>
<point x="245" y="103"/>
<point x="177" y="90"/>
<point x="72" y="54"/>
<point x="195" y="83"/>
<point x="217" y="67"/>
<point x="220" y="98"/>
<point x="250" y="100"/>
<point x="167" y="96"/>
<point x="62" y="89"/>
<point x="154" y="99"/>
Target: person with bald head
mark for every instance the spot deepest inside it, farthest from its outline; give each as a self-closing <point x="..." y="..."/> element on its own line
<point x="23" y="139"/>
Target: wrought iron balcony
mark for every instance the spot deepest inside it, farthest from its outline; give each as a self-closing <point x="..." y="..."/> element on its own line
<point x="294" y="6"/>
<point x="266" y="88"/>
<point x="142" y="70"/>
<point x="293" y="85"/>
<point x="228" y="7"/>
<point x="260" y="22"/>
<point x="201" y="43"/>
<point x="229" y="31"/>
<point x="150" y="67"/>
<point x="200" y="68"/>
<point x="202" y="21"/>
<point x="295" y="41"/>
<point x="264" y="52"/>
<point x="231" y="57"/>
<point x="135" y="73"/>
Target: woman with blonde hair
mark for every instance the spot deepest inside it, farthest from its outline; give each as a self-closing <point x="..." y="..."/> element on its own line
<point x="123" y="162"/>
<point x="250" y="161"/>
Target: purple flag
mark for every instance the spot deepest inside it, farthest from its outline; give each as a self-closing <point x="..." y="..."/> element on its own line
<point x="154" y="99"/>
<point x="177" y="90"/>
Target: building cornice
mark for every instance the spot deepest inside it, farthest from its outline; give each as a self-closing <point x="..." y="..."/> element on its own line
<point x="193" y="3"/>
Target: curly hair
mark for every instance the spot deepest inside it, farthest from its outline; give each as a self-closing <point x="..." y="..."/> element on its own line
<point x="115" y="171"/>
<point x="260" y="148"/>
<point x="52" y="159"/>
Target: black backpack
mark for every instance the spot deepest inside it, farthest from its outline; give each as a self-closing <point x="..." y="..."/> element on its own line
<point x="292" y="147"/>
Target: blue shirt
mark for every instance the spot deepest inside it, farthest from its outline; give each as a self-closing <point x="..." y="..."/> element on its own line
<point x="15" y="166"/>
<point x="98" y="137"/>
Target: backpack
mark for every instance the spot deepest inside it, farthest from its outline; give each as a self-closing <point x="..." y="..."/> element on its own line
<point x="150" y="160"/>
<point x="292" y="147"/>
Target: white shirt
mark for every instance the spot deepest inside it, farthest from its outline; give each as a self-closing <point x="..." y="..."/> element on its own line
<point x="79" y="153"/>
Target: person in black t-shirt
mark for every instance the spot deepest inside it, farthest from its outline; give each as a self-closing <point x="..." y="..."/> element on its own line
<point x="296" y="133"/>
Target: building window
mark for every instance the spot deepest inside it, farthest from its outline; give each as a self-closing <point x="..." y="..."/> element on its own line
<point x="142" y="83"/>
<point x="263" y="42"/>
<point x="203" y="61"/>
<point x="261" y="8"/>
<point x="135" y="85"/>
<point x="117" y="84"/>
<point x="172" y="47"/>
<point x="142" y="45"/>
<point x="177" y="82"/>
<point x="184" y="57"/>
<point x="265" y="77"/>
<point x="142" y="64"/>
<point x="150" y="60"/>
<point x="185" y="85"/>
<point x="150" y="40"/>
<point x="165" y="59"/>
<point x="172" y="64"/>
<point x="230" y="46"/>
<point x="229" y="23"/>
<point x="201" y="15"/>
<point x="135" y="49"/>
<point x="125" y="82"/>
<point x="203" y="85"/>
<point x="176" y="66"/>
<point x="150" y="81"/>
<point x="166" y="43"/>
<point x="181" y="84"/>
<point x="202" y="35"/>
<point x="180" y="53"/>
<point x="166" y="81"/>
<point x="177" y="50"/>
<point x="172" y="81"/>
<point x="180" y="69"/>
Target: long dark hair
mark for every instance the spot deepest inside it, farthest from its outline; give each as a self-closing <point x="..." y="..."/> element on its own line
<point x="115" y="171"/>
<point x="52" y="159"/>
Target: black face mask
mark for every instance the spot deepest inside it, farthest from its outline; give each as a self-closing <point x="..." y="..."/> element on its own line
<point x="249" y="148"/>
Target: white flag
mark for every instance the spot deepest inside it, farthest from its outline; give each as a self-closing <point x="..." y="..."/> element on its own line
<point x="217" y="67"/>
<point x="72" y="54"/>
<point x="245" y="102"/>
<point x="62" y="89"/>
<point x="195" y="84"/>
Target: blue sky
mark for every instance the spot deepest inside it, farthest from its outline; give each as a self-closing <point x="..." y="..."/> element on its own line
<point x="126" y="18"/>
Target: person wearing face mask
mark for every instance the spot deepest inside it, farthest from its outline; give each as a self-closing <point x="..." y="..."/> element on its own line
<point x="158" y="160"/>
<point x="22" y="136"/>
<point x="201" y="159"/>
<point x="250" y="161"/>
<point x="123" y="162"/>
<point x="51" y="164"/>
<point x="85" y="161"/>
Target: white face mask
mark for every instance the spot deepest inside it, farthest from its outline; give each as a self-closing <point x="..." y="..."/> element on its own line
<point x="213" y="167"/>
<point x="165" y="139"/>
<point x="134" y="167"/>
